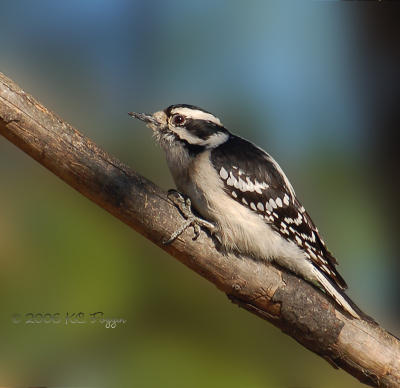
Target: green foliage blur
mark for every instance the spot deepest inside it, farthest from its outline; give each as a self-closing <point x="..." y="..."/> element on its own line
<point x="283" y="77"/>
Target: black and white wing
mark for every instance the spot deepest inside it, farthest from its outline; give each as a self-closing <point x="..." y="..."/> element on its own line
<point x="254" y="179"/>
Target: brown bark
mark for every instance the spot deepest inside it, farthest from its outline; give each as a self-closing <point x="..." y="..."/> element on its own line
<point x="363" y="349"/>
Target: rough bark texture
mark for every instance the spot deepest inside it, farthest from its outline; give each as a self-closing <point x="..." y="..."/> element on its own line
<point x="363" y="349"/>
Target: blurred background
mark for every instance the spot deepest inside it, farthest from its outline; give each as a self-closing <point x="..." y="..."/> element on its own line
<point x="316" y="84"/>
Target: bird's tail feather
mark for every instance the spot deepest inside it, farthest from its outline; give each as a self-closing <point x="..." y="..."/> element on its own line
<point x="340" y="297"/>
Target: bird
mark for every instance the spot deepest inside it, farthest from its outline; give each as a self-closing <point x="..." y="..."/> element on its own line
<point x="243" y="197"/>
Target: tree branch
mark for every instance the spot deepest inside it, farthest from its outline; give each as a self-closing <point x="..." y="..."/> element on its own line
<point x="361" y="348"/>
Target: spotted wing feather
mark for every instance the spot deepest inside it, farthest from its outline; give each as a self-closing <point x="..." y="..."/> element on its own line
<point x="252" y="178"/>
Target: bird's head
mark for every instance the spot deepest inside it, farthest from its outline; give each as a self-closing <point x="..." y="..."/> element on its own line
<point x="185" y="124"/>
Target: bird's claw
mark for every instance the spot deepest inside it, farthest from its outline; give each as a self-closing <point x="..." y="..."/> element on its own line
<point x="184" y="204"/>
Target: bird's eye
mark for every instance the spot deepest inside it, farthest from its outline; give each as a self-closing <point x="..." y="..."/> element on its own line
<point x="178" y="120"/>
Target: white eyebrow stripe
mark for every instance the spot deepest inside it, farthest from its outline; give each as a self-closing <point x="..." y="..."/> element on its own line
<point x="196" y="114"/>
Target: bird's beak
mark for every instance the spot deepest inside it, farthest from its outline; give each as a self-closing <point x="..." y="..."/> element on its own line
<point x="145" y="117"/>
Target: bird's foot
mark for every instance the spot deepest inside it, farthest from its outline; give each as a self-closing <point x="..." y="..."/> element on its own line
<point x="184" y="204"/>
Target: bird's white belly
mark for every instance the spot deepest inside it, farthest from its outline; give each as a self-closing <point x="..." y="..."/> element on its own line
<point x="239" y="228"/>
